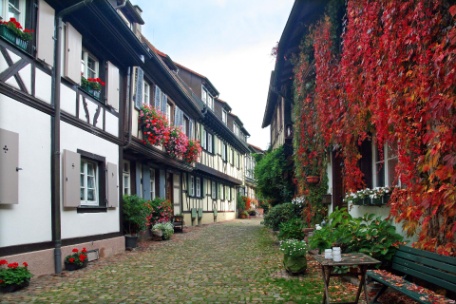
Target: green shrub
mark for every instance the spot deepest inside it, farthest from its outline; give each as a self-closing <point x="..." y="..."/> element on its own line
<point x="292" y="229"/>
<point x="135" y="211"/>
<point x="369" y="234"/>
<point x="279" y="214"/>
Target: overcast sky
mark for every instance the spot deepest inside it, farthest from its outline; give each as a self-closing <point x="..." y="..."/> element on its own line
<point x="229" y="42"/>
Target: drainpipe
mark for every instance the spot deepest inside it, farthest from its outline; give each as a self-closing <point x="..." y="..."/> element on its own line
<point x="55" y="178"/>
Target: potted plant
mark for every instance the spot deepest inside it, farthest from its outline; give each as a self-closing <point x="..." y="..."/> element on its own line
<point x="135" y="217"/>
<point x="92" y="86"/>
<point x="294" y="255"/>
<point x="166" y="229"/>
<point x="13" y="32"/>
<point x="375" y="197"/>
<point x="13" y="277"/>
<point x="76" y="260"/>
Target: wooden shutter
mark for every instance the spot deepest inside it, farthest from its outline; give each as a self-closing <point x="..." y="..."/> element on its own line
<point x="72" y="53"/>
<point x="139" y="88"/>
<point x="164" y="102"/>
<point x="112" y="186"/>
<point x="146" y="182"/>
<point x="157" y="97"/>
<point x="112" y="86"/>
<point x="71" y="179"/>
<point x="45" y="33"/>
<point x="9" y="167"/>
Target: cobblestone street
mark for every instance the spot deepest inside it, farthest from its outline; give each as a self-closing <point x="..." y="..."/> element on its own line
<point x="231" y="262"/>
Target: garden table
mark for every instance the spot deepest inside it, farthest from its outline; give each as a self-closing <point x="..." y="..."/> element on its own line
<point x="359" y="260"/>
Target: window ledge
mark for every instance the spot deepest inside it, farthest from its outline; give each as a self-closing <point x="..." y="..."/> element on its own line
<point x="91" y="209"/>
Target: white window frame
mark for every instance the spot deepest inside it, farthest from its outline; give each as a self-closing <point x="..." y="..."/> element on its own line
<point x="213" y="190"/>
<point x="191" y="186"/>
<point x="169" y="110"/>
<point x="152" y="183"/>
<point x="146" y="93"/>
<point x="20" y="11"/>
<point x="203" y="139"/>
<point x="210" y="144"/>
<point x="198" y="187"/>
<point x="84" y="185"/>
<point x="224" y="152"/>
<point x="126" y="178"/>
<point x="85" y="56"/>
<point x="385" y="164"/>
<point x="224" y="116"/>
<point x="222" y="192"/>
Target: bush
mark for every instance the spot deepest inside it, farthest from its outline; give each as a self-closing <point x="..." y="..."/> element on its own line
<point x="279" y="214"/>
<point x="369" y="234"/>
<point x="135" y="213"/>
<point x="292" y="229"/>
<point x="160" y="211"/>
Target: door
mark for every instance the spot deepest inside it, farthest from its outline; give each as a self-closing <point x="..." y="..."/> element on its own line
<point x="338" y="181"/>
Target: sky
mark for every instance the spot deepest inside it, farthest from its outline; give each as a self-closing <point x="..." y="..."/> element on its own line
<point x="227" y="41"/>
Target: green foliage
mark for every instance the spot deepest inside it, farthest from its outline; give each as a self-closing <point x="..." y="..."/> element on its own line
<point x="240" y="202"/>
<point x="167" y="229"/>
<point x="279" y="214"/>
<point x="369" y="234"/>
<point x="293" y="247"/>
<point x="270" y="173"/>
<point x="12" y="273"/>
<point x="159" y="211"/>
<point x="292" y="229"/>
<point x="314" y="211"/>
<point x="135" y="211"/>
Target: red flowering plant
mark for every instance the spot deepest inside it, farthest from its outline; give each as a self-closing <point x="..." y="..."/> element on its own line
<point x="160" y="211"/>
<point x="13" y="274"/>
<point x="14" y="26"/>
<point x="192" y="152"/>
<point x="153" y="124"/>
<point x="77" y="257"/>
<point x="176" y="143"/>
<point x="92" y="83"/>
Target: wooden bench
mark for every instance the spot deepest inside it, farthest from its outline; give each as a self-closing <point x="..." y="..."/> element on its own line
<point x="422" y="265"/>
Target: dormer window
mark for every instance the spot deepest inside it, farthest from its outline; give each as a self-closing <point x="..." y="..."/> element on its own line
<point x="224" y="116"/>
<point x="207" y="98"/>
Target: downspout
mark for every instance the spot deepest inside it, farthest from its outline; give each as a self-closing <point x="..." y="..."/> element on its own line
<point x="55" y="177"/>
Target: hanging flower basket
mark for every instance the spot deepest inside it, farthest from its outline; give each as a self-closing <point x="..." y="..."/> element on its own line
<point x="313" y="179"/>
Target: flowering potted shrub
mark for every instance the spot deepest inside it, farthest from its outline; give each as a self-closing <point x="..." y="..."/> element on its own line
<point x="376" y="197"/>
<point x="13" y="32"/>
<point x="192" y="152"/>
<point x="175" y="143"/>
<point x="153" y="124"/>
<point x="13" y="277"/>
<point x="159" y="211"/>
<point x="76" y="260"/>
<point x="166" y="229"/>
<point x="294" y="255"/>
<point x="92" y="86"/>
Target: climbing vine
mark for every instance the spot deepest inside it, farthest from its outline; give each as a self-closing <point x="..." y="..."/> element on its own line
<point x="393" y="83"/>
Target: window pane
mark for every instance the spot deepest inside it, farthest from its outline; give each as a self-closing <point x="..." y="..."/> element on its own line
<point x="82" y="194"/>
<point x="91" y="195"/>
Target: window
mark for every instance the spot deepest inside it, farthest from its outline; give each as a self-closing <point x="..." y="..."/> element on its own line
<point x="160" y="100"/>
<point x="210" y="139"/>
<point x="198" y="187"/>
<point x="89" y="65"/>
<point x="169" y="112"/>
<point x="224" y="116"/>
<point x="191" y="186"/>
<point x="228" y="193"/>
<point x="13" y="9"/>
<point x="222" y="192"/>
<point x="126" y="178"/>
<point x="213" y="190"/>
<point x="232" y="156"/>
<point x="146" y="92"/>
<point x="238" y="160"/>
<point x="236" y="129"/>
<point x="224" y="152"/>
<point x="152" y="183"/>
<point x="89" y="180"/>
<point x="385" y="168"/>
<point x="203" y="139"/>
<point x="207" y="98"/>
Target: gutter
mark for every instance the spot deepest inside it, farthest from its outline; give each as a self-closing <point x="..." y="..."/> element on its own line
<point x="55" y="133"/>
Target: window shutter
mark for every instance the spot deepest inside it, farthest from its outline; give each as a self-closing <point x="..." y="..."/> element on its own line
<point x="45" y="39"/>
<point x="73" y="50"/>
<point x="71" y="179"/>
<point x="190" y="131"/>
<point x="112" y="186"/>
<point x="113" y="86"/>
<point x="9" y="161"/>
<point x="146" y="182"/>
<point x="178" y="117"/>
<point x="139" y="88"/>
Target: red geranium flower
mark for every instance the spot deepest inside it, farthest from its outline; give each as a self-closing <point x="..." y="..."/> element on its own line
<point x="75" y="250"/>
<point x="25" y="264"/>
<point x="13" y="265"/>
<point x="3" y="262"/>
<point x="84" y="250"/>
<point x="71" y="260"/>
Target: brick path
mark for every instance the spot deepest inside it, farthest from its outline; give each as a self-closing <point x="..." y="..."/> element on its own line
<point x="231" y="262"/>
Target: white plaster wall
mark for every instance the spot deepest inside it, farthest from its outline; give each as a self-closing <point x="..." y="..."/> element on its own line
<point x="29" y="221"/>
<point x="68" y="99"/>
<point x="43" y="86"/>
<point x="112" y="124"/>
<point x="85" y="224"/>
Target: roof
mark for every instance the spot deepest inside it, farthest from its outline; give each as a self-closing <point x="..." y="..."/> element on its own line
<point x="303" y="13"/>
<point x="207" y="83"/>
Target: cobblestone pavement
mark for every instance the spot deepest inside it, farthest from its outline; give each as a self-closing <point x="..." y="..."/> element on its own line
<point x="231" y="262"/>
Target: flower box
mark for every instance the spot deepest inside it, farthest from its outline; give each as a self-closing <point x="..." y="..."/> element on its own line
<point x="11" y="37"/>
